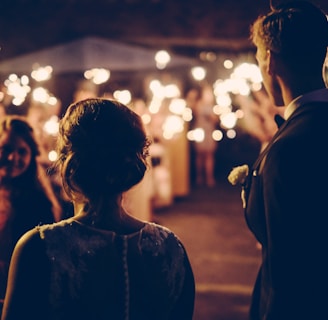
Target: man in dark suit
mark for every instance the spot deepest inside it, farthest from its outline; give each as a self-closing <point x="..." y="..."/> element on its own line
<point x="287" y="188"/>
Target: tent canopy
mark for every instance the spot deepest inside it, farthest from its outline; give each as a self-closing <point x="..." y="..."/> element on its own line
<point x="87" y="53"/>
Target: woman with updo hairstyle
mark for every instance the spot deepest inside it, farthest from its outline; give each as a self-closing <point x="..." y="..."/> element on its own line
<point x="103" y="150"/>
<point x="102" y="263"/>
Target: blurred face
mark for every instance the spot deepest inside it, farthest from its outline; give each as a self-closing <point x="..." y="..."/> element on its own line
<point x="15" y="156"/>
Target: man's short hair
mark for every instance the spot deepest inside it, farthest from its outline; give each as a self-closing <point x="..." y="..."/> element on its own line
<point x="296" y="30"/>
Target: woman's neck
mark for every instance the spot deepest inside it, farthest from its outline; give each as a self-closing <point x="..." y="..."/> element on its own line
<point x="109" y="215"/>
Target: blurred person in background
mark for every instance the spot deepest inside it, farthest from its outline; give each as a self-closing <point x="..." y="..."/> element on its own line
<point x="201" y="100"/>
<point x="26" y="196"/>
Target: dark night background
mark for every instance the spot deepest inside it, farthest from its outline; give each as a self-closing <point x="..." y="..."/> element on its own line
<point x="185" y="27"/>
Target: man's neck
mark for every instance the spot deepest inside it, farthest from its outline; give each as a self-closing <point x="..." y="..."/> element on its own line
<point x="290" y="93"/>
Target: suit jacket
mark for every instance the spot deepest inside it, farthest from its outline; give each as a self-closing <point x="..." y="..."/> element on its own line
<point x="287" y="210"/>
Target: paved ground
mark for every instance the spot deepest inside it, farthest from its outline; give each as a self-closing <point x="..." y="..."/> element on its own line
<point x="221" y="249"/>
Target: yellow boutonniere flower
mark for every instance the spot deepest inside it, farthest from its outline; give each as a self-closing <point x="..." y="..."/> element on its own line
<point x="238" y="175"/>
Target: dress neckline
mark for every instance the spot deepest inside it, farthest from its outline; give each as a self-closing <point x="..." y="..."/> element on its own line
<point x="106" y="231"/>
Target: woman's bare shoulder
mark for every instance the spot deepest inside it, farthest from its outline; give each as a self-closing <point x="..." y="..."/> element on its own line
<point x="29" y="243"/>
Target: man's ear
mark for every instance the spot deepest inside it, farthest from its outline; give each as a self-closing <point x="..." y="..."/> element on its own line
<point x="274" y="65"/>
<point x="271" y="65"/>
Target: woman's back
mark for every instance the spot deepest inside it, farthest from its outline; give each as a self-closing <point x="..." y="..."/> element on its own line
<point x="97" y="274"/>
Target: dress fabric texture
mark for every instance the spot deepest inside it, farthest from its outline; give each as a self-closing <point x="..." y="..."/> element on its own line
<point x="98" y="274"/>
<point x="287" y="211"/>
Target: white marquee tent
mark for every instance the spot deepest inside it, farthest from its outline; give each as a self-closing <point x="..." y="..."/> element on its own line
<point x="87" y="53"/>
